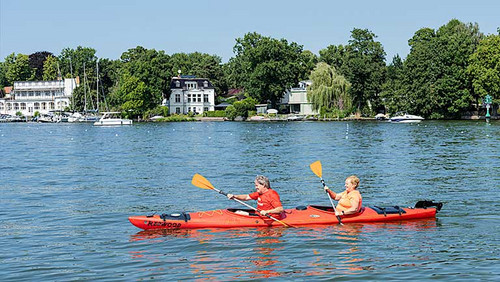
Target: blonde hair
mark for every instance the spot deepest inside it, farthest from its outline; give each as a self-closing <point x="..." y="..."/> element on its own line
<point x="354" y="180"/>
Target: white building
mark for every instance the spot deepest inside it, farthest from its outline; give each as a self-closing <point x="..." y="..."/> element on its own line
<point x="29" y="97"/>
<point x="190" y="94"/>
<point x="296" y="99"/>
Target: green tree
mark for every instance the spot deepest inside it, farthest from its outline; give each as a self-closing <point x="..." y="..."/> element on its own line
<point x="362" y="62"/>
<point x="333" y="56"/>
<point x="202" y="66"/>
<point x="50" y="68"/>
<point x="71" y="62"/>
<point x="149" y="67"/>
<point x="134" y="95"/>
<point x="364" y="67"/>
<point x="3" y="79"/>
<point x="265" y="67"/>
<point x="17" y="68"/>
<point x="392" y="89"/>
<point x="329" y="90"/>
<point x="435" y="80"/>
<point x="484" y="68"/>
<point x="241" y="108"/>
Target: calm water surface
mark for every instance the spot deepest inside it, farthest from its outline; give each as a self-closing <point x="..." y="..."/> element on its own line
<point x="67" y="190"/>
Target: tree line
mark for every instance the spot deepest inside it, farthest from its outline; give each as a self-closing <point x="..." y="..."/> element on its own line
<point x="445" y="75"/>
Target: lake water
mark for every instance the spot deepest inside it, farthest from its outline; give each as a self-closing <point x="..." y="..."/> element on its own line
<point x="67" y="190"/>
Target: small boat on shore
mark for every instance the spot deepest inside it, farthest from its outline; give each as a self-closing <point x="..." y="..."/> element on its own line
<point x="405" y="118"/>
<point x="300" y="216"/>
<point x="112" y="119"/>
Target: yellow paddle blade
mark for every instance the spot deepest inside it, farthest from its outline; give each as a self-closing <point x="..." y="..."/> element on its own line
<point x="316" y="168"/>
<point x="201" y="182"/>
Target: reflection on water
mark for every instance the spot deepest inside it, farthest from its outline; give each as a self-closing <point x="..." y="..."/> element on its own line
<point x="264" y="252"/>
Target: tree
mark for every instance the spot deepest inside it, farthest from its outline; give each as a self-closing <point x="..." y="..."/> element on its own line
<point x="72" y="61"/>
<point x="3" y="79"/>
<point x="362" y="62"/>
<point x="150" y="67"/>
<point x="435" y="80"/>
<point x="333" y="56"/>
<point x="364" y="67"/>
<point x="50" y="71"/>
<point x="36" y="62"/>
<point x="265" y="67"/>
<point x="202" y="66"/>
<point x="329" y="90"/>
<point x="484" y="68"/>
<point x="134" y="96"/>
<point x="392" y="89"/>
<point x="17" y="68"/>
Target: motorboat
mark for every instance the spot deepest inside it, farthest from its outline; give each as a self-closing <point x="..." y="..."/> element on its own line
<point x="112" y="118"/>
<point x="295" y="117"/>
<point x="381" y="116"/>
<point x="405" y="118"/>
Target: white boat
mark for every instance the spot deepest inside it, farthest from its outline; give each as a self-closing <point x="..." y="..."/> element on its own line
<point x="112" y="118"/>
<point x="295" y="117"/>
<point x="405" y="118"/>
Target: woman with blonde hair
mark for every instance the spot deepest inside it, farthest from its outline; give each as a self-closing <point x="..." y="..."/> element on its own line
<point x="349" y="200"/>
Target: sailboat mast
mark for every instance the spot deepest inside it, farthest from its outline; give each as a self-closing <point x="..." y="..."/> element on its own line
<point x="84" y="89"/>
<point x="72" y="85"/>
<point x="97" y="67"/>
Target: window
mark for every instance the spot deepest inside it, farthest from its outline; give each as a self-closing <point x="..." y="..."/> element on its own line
<point x="199" y="98"/>
<point x="51" y="105"/>
<point x="177" y="110"/>
<point x="205" y="109"/>
<point x="191" y="85"/>
<point x="189" y="98"/>
<point x="205" y="84"/>
<point x="177" y="98"/>
<point x="23" y="106"/>
<point x="205" y="98"/>
<point x="9" y="106"/>
<point x="16" y="106"/>
<point x="177" y="83"/>
<point x="1" y="106"/>
<point x="37" y="106"/>
<point x="44" y="106"/>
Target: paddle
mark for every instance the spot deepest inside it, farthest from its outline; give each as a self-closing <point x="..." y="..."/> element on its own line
<point x="201" y="182"/>
<point x="316" y="168"/>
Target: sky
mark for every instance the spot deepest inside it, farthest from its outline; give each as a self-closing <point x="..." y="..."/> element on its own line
<point x="112" y="27"/>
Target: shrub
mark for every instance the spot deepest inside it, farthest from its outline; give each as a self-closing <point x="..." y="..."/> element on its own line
<point x="218" y="113"/>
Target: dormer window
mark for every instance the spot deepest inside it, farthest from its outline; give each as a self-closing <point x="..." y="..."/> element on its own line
<point x="191" y="85"/>
<point x="177" y="83"/>
<point x="205" y="84"/>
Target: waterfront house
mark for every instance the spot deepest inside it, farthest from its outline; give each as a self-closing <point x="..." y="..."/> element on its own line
<point x="28" y="97"/>
<point x="296" y="99"/>
<point x="190" y="95"/>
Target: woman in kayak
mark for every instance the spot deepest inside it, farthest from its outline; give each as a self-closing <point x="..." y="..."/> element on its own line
<point x="268" y="200"/>
<point x="349" y="200"/>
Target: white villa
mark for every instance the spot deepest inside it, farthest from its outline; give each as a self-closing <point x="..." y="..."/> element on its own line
<point x="296" y="99"/>
<point x="29" y="97"/>
<point x="190" y="94"/>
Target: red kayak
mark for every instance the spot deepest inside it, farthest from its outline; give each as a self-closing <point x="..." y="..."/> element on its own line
<point x="300" y="216"/>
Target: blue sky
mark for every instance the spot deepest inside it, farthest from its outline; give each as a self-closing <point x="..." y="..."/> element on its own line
<point x="111" y="27"/>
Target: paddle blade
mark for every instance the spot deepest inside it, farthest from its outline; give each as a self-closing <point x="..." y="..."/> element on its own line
<point x="316" y="168"/>
<point x="201" y="182"/>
